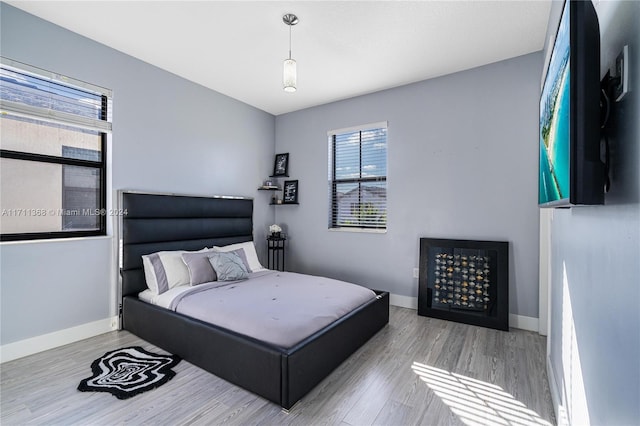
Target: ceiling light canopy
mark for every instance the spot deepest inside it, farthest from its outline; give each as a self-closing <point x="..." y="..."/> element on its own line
<point x="290" y="74"/>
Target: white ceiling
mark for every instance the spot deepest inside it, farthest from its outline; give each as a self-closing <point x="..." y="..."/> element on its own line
<point x="343" y="48"/>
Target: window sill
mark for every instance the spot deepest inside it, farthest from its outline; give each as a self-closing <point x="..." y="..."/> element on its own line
<point x="359" y="230"/>
<point x="55" y="240"/>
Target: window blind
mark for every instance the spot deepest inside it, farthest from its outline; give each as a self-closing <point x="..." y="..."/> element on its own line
<point x="30" y="92"/>
<point x="358" y="177"/>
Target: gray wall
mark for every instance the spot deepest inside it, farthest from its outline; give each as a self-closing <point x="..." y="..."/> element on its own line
<point x="169" y="135"/>
<point x="595" y="261"/>
<point x="462" y="163"/>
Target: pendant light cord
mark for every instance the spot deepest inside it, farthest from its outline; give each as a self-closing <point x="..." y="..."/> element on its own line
<point x="289" y="41"/>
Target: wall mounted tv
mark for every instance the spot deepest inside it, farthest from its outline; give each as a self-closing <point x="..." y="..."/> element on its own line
<point x="570" y="169"/>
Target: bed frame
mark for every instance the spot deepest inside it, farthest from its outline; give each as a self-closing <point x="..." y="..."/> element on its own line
<point x="155" y="222"/>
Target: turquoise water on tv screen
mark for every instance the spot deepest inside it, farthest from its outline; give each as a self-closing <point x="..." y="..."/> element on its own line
<point x="561" y="153"/>
<point x="555" y="115"/>
<point x="555" y="154"/>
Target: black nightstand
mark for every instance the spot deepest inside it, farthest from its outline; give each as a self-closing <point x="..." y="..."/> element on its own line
<point x="275" y="252"/>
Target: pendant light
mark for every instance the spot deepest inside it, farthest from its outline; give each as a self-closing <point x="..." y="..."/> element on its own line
<point x="289" y="75"/>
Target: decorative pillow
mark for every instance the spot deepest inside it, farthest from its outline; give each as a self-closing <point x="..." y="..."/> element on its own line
<point x="228" y="266"/>
<point x="165" y="270"/>
<point x="252" y="262"/>
<point x="200" y="270"/>
<point x="240" y="253"/>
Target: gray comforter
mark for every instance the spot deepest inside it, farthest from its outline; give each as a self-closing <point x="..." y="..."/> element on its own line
<point x="281" y="308"/>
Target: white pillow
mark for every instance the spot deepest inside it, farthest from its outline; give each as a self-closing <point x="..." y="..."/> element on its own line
<point x="165" y="270"/>
<point x="249" y="252"/>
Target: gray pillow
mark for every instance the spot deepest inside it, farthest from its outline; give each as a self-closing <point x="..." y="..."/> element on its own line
<point x="228" y="266"/>
<point x="200" y="270"/>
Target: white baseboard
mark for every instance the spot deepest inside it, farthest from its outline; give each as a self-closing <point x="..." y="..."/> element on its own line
<point x="44" y="342"/>
<point x="523" y="323"/>
<point x="403" y="301"/>
<point x="515" y="321"/>
<point x="561" y="414"/>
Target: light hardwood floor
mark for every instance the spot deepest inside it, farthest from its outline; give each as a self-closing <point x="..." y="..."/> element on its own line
<point x="416" y="370"/>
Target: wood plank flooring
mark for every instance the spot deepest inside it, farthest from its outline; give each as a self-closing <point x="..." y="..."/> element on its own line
<point x="416" y="370"/>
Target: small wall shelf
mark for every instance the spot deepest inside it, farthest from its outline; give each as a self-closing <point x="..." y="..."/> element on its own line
<point x="289" y="190"/>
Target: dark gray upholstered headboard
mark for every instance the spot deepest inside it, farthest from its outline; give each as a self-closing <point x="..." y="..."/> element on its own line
<point x="156" y="222"/>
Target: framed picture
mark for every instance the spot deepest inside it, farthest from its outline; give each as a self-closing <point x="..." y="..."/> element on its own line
<point x="281" y="165"/>
<point x="290" y="190"/>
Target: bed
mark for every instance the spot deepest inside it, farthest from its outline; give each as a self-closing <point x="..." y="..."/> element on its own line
<point x="162" y="222"/>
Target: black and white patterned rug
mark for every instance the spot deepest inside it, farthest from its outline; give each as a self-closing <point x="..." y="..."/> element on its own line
<point x="128" y="372"/>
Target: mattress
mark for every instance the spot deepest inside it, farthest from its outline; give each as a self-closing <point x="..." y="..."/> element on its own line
<point x="281" y="308"/>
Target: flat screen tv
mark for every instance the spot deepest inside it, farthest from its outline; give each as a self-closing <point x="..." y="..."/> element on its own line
<point x="570" y="169"/>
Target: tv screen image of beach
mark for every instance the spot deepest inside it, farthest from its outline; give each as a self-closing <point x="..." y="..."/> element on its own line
<point x="554" y="120"/>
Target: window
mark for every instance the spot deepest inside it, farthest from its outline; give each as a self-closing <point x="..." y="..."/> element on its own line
<point x="52" y="154"/>
<point x="358" y="177"/>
